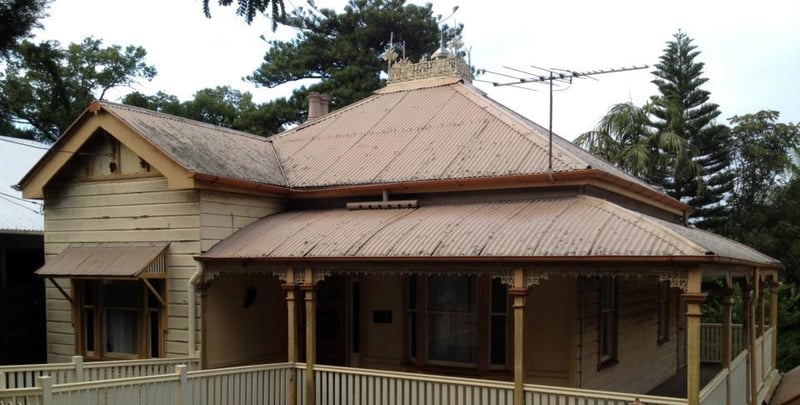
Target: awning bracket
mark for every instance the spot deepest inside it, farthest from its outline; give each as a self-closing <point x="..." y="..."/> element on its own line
<point x="61" y="290"/>
<point x="155" y="293"/>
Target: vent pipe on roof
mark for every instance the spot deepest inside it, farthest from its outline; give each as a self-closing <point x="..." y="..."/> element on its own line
<point x="317" y="105"/>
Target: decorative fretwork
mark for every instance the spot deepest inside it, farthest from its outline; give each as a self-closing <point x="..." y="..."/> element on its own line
<point x="532" y="278"/>
<point x="677" y="279"/>
<point x="404" y="70"/>
<point x="506" y="277"/>
<point x="320" y="275"/>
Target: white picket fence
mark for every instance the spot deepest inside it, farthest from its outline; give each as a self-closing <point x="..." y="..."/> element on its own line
<point x="24" y="376"/>
<point x="269" y="384"/>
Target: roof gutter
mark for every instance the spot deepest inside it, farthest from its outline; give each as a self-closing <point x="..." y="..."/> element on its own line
<point x="532" y="260"/>
<point x="528" y="180"/>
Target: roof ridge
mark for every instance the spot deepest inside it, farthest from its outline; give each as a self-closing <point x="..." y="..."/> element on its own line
<point x="188" y="121"/>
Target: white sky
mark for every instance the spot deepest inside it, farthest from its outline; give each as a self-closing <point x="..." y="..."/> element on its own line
<point x="751" y="49"/>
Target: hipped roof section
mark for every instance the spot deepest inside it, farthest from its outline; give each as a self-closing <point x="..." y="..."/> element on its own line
<point x="540" y="230"/>
<point x="430" y="133"/>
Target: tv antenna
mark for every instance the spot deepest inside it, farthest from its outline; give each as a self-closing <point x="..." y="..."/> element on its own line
<point x="554" y="77"/>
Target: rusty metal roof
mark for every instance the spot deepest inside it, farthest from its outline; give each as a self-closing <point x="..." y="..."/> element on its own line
<point x="423" y="130"/>
<point x="106" y="260"/>
<point x="204" y="148"/>
<point x="565" y="227"/>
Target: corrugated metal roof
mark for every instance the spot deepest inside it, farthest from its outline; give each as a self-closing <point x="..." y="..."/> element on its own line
<point x="204" y="148"/>
<point x="17" y="156"/>
<point x="424" y="130"/>
<point x="579" y="226"/>
<point x="90" y="260"/>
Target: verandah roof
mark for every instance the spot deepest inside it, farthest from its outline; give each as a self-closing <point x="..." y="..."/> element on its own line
<point x="577" y="227"/>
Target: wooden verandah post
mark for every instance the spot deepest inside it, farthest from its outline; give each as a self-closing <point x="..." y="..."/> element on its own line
<point x="693" y="297"/>
<point x="518" y="291"/>
<point x="727" y="335"/>
<point x="291" y="352"/>
<point x="309" y="287"/>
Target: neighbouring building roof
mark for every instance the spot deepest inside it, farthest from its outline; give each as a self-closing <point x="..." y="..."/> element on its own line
<point x="549" y="228"/>
<point x="17" y="156"/>
<point x="107" y="260"/>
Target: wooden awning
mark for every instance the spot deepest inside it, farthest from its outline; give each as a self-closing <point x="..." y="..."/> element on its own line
<point x="109" y="260"/>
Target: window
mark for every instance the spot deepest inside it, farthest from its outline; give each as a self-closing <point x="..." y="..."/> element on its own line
<point x="663" y="312"/>
<point x="608" y="322"/>
<point x="119" y="319"/>
<point x="456" y="328"/>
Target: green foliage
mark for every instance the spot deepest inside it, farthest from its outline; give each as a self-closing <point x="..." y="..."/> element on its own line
<point x="788" y="329"/>
<point x="679" y="79"/>
<point x="626" y="136"/>
<point x="248" y="9"/>
<point x="46" y="86"/>
<point x="762" y="156"/>
<point x="341" y="52"/>
<point x="17" y="19"/>
<point x="221" y="106"/>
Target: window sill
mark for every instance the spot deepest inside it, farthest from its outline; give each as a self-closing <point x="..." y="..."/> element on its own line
<point x="607" y="364"/>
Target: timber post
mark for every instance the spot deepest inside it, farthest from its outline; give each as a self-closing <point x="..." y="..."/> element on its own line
<point x="291" y="320"/>
<point x="749" y="307"/>
<point x="693" y="298"/>
<point x="518" y="291"/>
<point x="727" y="336"/>
<point x="309" y="288"/>
<point x="773" y="319"/>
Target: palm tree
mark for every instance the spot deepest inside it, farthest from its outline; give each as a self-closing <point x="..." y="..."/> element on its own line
<point x="626" y="137"/>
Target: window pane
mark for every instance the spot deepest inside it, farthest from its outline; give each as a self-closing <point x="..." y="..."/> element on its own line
<point x="88" y="292"/>
<point x="412" y="292"/>
<point x="121" y="294"/>
<point x="498" y="350"/>
<point x="451" y="293"/>
<point x="412" y="334"/>
<point x="88" y="329"/>
<point x="499" y="297"/>
<point x="452" y="337"/>
<point x="121" y="331"/>
<point x="154" y="338"/>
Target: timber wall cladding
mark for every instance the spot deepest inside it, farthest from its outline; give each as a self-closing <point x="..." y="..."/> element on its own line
<point x="642" y="362"/>
<point x="221" y="214"/>
<point x="134" y="210"/>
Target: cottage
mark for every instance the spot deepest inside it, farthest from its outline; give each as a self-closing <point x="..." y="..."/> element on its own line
<point x="426" y="228"/>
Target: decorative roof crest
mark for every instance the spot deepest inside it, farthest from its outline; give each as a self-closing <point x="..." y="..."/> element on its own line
<point x="446" y="61"/>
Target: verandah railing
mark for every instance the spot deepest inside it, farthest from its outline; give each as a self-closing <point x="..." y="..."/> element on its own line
<point x="711" y="341"/>
<point x="22" y="376"/>
<point x="735" y="381"/>
<point x="269" y="384"/>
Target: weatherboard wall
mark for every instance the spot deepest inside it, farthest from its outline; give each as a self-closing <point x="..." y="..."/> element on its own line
<point x="130" y="210"/>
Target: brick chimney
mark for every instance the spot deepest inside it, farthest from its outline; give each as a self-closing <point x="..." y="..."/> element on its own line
<point x="317" y="105"/>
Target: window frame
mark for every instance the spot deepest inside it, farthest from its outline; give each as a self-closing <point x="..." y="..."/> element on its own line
<point x="416" y="327"/>
<point x="144" y="319"/>
<point x="662" y="333"/>
<point x="608" y="322"/>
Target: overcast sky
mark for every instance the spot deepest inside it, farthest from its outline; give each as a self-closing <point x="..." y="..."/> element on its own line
<point x="751" y="49"/>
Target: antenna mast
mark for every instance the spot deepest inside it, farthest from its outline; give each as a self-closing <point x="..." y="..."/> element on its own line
<point x="550" y="76"/>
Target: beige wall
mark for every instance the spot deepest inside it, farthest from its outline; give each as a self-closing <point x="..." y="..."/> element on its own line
<point x="238" y="335"/>
<point x="122" y="210"/>
<point x="382" y="344"/>
<point x="642" y="362"/>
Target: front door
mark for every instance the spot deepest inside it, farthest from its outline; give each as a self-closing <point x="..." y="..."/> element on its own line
<point x="332" y="321"/>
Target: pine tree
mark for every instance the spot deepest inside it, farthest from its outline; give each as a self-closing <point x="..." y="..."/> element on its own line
<point x="704" y="184"/>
